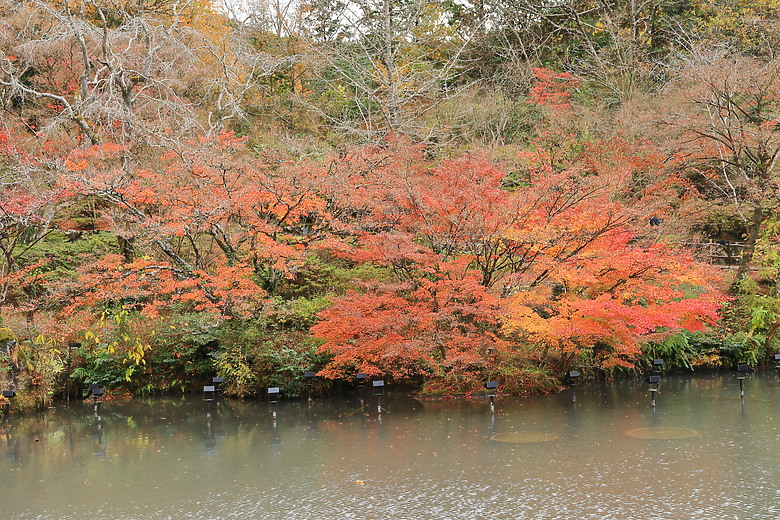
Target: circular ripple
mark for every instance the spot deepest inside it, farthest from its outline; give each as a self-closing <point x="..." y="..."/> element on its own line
<point x="526" y="437"/>
<point x="662" y="433"/>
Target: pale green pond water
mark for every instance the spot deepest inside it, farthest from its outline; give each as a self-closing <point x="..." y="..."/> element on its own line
<point x="702" y="454"/>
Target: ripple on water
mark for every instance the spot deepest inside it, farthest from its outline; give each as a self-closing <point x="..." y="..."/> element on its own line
<point x="663" y="433"/>
<point x="526" y="437"/>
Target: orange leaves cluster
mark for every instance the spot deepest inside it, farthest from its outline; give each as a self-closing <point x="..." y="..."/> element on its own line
<point x="222" y="224"/>
<point x="592" y="284"/>
<point x="439" y="322"/>
<point x="223" y="202"/>
<point x="616" y="297"/>
<point x="29" y="201"/>
<point x="555" y="261"/>
<point x="553" y="89"/>
<point x="155" y="287"/>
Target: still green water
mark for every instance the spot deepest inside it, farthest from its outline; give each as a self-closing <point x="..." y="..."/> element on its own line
<point x="702" y="454"/>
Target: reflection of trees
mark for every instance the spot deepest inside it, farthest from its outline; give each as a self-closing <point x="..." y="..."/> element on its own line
<point x="140" y="439"/>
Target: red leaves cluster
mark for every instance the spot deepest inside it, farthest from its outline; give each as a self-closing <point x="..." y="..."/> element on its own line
<point x="157" y="287"/>
<point x="553" y="89"/>
<point x="554" y="260"/>
<point x="441" y="321"/>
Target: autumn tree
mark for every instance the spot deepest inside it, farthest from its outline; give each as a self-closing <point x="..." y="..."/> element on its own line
<point x="28" y="214"/>
<point x="461" y="206"/>
<point x="133" y="75"/>
<point x="211" y="204"/>
<point x="612" y="299"/>
<point x="214" y="231"/>
<point x="438" y="325"/>
<point x="618" y="47"/>
<point x="749" y="26"/>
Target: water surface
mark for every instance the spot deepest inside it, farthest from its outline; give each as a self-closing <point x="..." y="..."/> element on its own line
<point x="701" y="453"/>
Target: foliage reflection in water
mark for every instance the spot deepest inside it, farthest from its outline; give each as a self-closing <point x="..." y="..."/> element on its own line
<point x="544" y="457"/>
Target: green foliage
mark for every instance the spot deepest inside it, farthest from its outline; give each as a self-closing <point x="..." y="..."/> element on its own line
<point x="337" y="96"/>
<point x="59" y="253"/>
<point x="515" y="370"/>
<point x="512" y="379"/>
<point x="234" y="366"/>
<point x="686" y="350"/>
<point x="321" y="276"/>
<point x="42" y="362"/>
<point x="6" y="335"/>
<point x="183" y="348"/>
<point x="101" y="368"/>
<point x="760" y="314"/>
<point x="748" y="25"/>
<point x="275" y="361"/>
<point x="767" y="254"/>
<point x="168" y="353"/>
<point x="113" y="351"/>
<point x="66" y="250"/>
<point x="748" y="335"/>
<point x="721" y="222"/>
<point x="273" y="350"/>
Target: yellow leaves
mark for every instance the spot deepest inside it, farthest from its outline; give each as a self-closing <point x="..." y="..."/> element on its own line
<point x="525" y="319"/>
<point x="118" y="337"/>
<point x="137" y="353"/>
<point x="6" y="334"/>
<point x="519" y="313"/>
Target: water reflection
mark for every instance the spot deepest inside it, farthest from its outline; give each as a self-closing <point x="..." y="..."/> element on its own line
<point x="607" y="454"/>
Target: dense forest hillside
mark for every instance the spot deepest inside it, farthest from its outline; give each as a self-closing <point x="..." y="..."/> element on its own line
<point x="436" y="194"/>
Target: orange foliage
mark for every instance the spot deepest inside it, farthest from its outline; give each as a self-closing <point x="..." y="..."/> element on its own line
<point x="216" y="217"/>
<point x="559" y="250"/>
<point x="440" y="321"/>
<point x="156" y="287"/>
<point x="613" y="298"/>
<point x="553" y="89"/>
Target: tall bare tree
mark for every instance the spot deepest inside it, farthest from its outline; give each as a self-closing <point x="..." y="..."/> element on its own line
<point x="617" y="44"/>
<point x="390" y="64"/>
<point x="730" y="121"/>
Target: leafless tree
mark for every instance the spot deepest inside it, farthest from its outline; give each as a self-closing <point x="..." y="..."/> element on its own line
<point x="387" y="67"/>
<point x="730" y="134"/>
<point x="613" y="43"/>
<point x="148" y="75"/>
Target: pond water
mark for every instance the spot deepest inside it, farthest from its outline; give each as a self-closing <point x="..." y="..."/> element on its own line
<point x="701" y="453"/>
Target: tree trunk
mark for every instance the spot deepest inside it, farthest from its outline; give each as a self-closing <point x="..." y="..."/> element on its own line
<point x="750" y="243"/>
